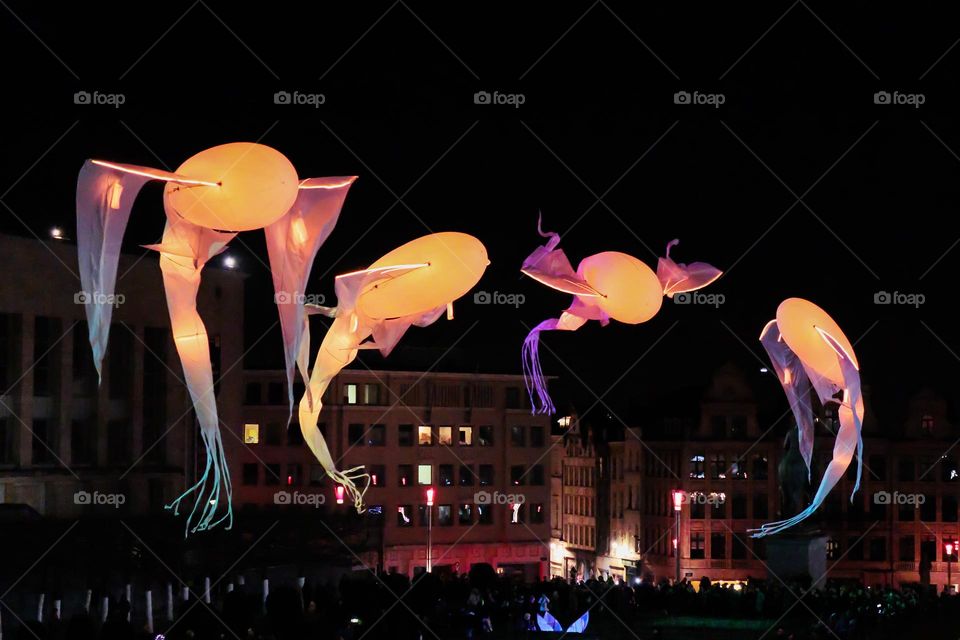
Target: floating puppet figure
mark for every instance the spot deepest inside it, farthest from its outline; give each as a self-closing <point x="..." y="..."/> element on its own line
<point x="412" y="285"/>
<point x="209" y="199"/>
<point x="809" y="351"/>
<point x="605" y="286"/>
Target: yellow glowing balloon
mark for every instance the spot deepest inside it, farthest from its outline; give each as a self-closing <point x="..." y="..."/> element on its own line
<point x="801" y="323"/>
<point x="452" y="264"/>
<point x="632" y="293"/>
<point x="256" y="185"/>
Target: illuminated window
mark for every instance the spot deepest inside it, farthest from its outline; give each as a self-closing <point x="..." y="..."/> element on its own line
<point x="371" y="394"/>
<point x="465" y="514"/>
<point x="445" y="515"/>
<point x="445" y="435"/>
<point x="251" y="434"/>
<point x="350" y="394"/>
<point x="404" y="511"/>
<point x="564" y="422"/>
<point x="424" y="474"/>
<point x="696" y="466"/>
<point x="425" y="435"/>
<point x="485" y="436"/>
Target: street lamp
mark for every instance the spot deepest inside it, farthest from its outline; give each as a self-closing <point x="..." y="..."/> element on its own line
<point x="677" y="495"/>
<point x="430" y="492"/>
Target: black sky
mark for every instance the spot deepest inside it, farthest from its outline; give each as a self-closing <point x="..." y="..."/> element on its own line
<point x="878" y="183"/>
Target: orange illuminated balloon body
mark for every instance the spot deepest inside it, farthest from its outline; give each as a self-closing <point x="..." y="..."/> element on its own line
<point x="213" y="195"/>
<point x="810" y="352"/>
<point x="605" y="286"/>
<point x="412" y="285"/>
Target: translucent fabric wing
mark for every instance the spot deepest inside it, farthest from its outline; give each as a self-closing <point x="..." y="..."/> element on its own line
<point x="292" y="245"/>
<point x="580" y="625"/>
<point x="547" y="622"/>
<point x="105" y="195"/>
<point x="681" y="278"/>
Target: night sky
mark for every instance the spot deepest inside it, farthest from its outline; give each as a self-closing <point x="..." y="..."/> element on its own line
<point x="797" y="185"/>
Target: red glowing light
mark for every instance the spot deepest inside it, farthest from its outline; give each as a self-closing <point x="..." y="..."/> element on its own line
<point x="677" y="499"/>
<point x="430" y="493"/>
<point x="339" y="492"/>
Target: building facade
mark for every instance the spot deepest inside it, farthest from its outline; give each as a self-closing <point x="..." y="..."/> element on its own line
<point x="470" y="437"/>
<point x="70" y="446"/>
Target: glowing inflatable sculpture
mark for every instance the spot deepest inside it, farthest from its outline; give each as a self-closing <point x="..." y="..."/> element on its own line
<point x="209" y="199"/>
<point x="547" y="622"/>
<point x="605" y="286"/>
<point x="810" y="352"/>
<point x="412" y="285"/>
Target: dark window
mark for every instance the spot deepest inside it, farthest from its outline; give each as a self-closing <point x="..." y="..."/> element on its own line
<point x="445" y="475"/>
<point x="445" y="515"/>
<point x="948" y="469"/>
<point x="484" y="514"/>
<point x="8" y="439"/>
<point x="271" y="474"/>
<point x="696" y="546"/>
<point x="907" y="551"/>
<point x="294" y="435"/>
<point x="465" y="514"/>
<point x="949" y="508"/>
<point x="404" y="515"/>
<point x="467" y="475"/>
<point x="317" y="474"/>
<point x="877" y="511"/>
<point x="536" y="475"/>
<point x="486" y="475"/>
<point x="760" y="509"/>
<point x="928" y="548"/>
<point x="251" y="473"/>
<point x="536" y="436"/>
<point x="697" y="507"/>
<point x="928" y="510"/>
<point x="46" y="355"/>
<point x="535" y="513"/>
<point x="83" y="442"/>
<point x="718" y="466"/>
<point x="118" y="442"/>
<point x="739" y="507"/>
<point x="760" y="467"/>
<point x="378" y="475"/>
<point x="905" y="469"/>
<point x="855" y="547"/>
<point x="275" y="393"/>
<point x="422" y="514"/>
<point x="878" y="467"/>
<point x="719" y="506"/>
<point x="154" y="413"/>
<point x="878" y="549"/>
<point x="405" y="435"/>
<point x="44" y="444"/>
<point x="485" y="438"/>
<point x="355" y="434"/>
<point x="273" y="433"/>
<point x="294" y="474"/>
<point x="251" y="395"/>
<point x="738" y="547"/>
<point x="517" y="474"/>
<point x="738" y="427"/>
<point x="518" y="436"/>
<point x="906" y="512"/>
<point x="513" y="398"/>
<point x="377" y="436"/>
<point x="718" y="426"/>
<point x="120" y="354"/>
<point x="405" y="475"/>
<point x="718" y="545"/>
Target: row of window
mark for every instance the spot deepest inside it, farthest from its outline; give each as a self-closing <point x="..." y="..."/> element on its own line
<point x="375" y="435"/>
<point x="467" y="514"/>
<point x="374" y="394"/>
<point x="579" y="476"/>
<point x="580" y="535"/>
<point x="408" y="475"/>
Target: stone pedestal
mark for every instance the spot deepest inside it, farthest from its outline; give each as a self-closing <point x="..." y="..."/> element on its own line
<point x="798" y="557"/>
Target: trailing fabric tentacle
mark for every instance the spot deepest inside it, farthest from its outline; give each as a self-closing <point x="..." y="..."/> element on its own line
<point x="533" y="373"/>
<point x="184" y="250"/>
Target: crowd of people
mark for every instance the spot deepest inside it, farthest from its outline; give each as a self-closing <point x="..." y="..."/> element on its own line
<point x="484" y="605"/>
